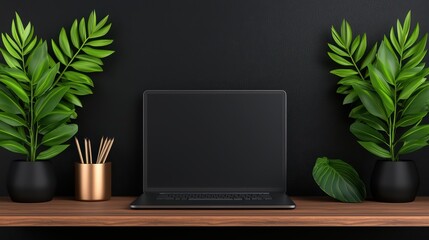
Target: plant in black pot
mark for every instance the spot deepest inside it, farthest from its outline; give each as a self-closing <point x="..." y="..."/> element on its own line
<point x="39" y="94"/>
<point x="389" y="94"/>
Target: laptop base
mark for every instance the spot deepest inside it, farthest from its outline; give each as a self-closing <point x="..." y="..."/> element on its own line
<point x="151" y="201"/>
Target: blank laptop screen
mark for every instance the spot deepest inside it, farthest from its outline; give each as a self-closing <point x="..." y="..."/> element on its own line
<point x="214" y="140"/>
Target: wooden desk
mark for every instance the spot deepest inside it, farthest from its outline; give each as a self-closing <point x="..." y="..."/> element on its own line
<point x="310" y="211"/>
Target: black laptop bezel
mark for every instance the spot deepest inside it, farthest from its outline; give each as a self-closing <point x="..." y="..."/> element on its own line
<point x="148" y="189"/>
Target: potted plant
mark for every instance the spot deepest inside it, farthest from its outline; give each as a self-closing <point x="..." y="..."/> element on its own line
<point x="389" y="94"/>
<point x="39" y="94"/>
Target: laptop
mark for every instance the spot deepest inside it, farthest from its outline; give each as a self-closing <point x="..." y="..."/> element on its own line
<point x="214" y="149"/>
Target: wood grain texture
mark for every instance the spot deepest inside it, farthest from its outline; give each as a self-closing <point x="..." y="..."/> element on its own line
<point x="310" y="211"/>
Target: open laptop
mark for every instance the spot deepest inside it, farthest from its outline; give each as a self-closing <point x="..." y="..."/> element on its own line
<point x="214" y="149"/>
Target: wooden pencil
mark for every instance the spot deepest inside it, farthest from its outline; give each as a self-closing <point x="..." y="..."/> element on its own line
<point x="78" y="149"/>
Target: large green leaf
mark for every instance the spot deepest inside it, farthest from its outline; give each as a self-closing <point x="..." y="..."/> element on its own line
<point x="46" y="80"/>
<point x="15" y="87"/>
<point x="10" y="105"/>
<point x="10" y="61"/>
<point x="10" y="133"/>
<point x="12" y="119"/>
<point x="78" y="77"/>
<point x="381" y="86"/>
<point x="371" y="101"/>
<point x="52" y="152"/>
<point x="375" y="149"/>
<point x="362" y="115"/>
<point x="38" y="61"/>
<point x="410" y="120"/>
<point x="412" y="146"/>
<point x="416" y="133"/>
<point x="59" y="135"/>
<point x="14" y="146"/>
<point x="339" y="180"/>
<point x="47" y="103"/>
<point x="388" y="63"/>
<point x="366" y="133"/>
<point x="418" y="103"/>
<point x="99" y="53"/>
<point x="64" y="43"/>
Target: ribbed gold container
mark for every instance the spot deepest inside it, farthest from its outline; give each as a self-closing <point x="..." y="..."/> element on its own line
<point x="93" y="182"/>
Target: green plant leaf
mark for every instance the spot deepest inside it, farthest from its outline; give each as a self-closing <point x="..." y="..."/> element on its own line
<point x="100" y="33"/>
<point x="15" y="87"/>
<point x="106" y="42"/>
<point x="10" y="105"/>
<point x="366" y="133"/>
<point x="47" y="103"/>
<point x="417" y="103"/>
<point x="52" y="152"/>
<point x="10" y="49"/>
<point x="38" y="61"/>
<point x="10" y="133"/>
<point x="64" y="43"/>
<point x="334" y="48"/>
<point x="370" y="57"/>
<point x="411" y="87"/>
<point x="30" y="46"/>
<point x="17" y="74"/>
<point x="361" y="49"/>
<point x="92" y="21"/>
<point x="413" y="37"/>
<point x="388" y="63"/>
<point x="412" y="146"/>
<point x="339" y="60"/>
<point x="12" y="119"/>
<point x="344" y="72"/>
<point x="380" y="85"/>
<point x="78" y="77"/>
<point x="59" y="135"/>
<point x="394" y="41"/>
<point x="375" y="149"/>
<point x="74" y="34"/>
<point x="82" y="29"/>
<point x="14" y="146"/>
<point x="85" y="66"/>
<point x="337" y="37"/>
<point x="12" y="43"/>
<point x="371" y="101"/>
<point x="350" y="98"/>
<point x="415" y="60"/>
<point x="46" y="80"/>
<point x="409" y="120"/>
<point x="409" y="73"/>
<point x="10" y="61"/>
<point x="88" y="58"/>
<point x="99" y="53"/>
<point x="101" y="23"/>
<point x="417" y="48"/>
<point x="79" y="89"/>
<point x="73" y="99"/>
<point x="339" y="180"/>
<point x="416" y="133"/>
<point x="58" y="53"/>
<point x="355" y="45"/>
<point x="362" y="115"/>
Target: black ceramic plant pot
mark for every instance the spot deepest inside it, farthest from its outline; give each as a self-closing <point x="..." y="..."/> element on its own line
<point x="394" y="181"/>
<point x="31" y="182"/>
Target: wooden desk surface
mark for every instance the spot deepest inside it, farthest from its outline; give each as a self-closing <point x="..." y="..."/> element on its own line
<point x="310" y="211"/>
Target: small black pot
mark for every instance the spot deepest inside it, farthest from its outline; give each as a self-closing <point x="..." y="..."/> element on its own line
<point x="31" y="182"/>
<point x="394" y="181"/>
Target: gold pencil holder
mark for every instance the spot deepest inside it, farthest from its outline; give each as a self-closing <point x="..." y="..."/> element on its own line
<point x="93" y="181"/>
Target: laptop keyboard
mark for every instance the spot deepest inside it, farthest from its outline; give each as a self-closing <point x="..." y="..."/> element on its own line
<point x="214" y="196"/>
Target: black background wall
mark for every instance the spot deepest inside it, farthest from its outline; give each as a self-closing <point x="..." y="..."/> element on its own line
<point x="219" y="44"/>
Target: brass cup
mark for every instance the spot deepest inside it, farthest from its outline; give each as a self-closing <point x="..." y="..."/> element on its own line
<point x="93" y="182"/>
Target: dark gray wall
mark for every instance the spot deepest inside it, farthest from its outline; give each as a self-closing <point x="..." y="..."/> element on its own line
<point x="218" y="44"/>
